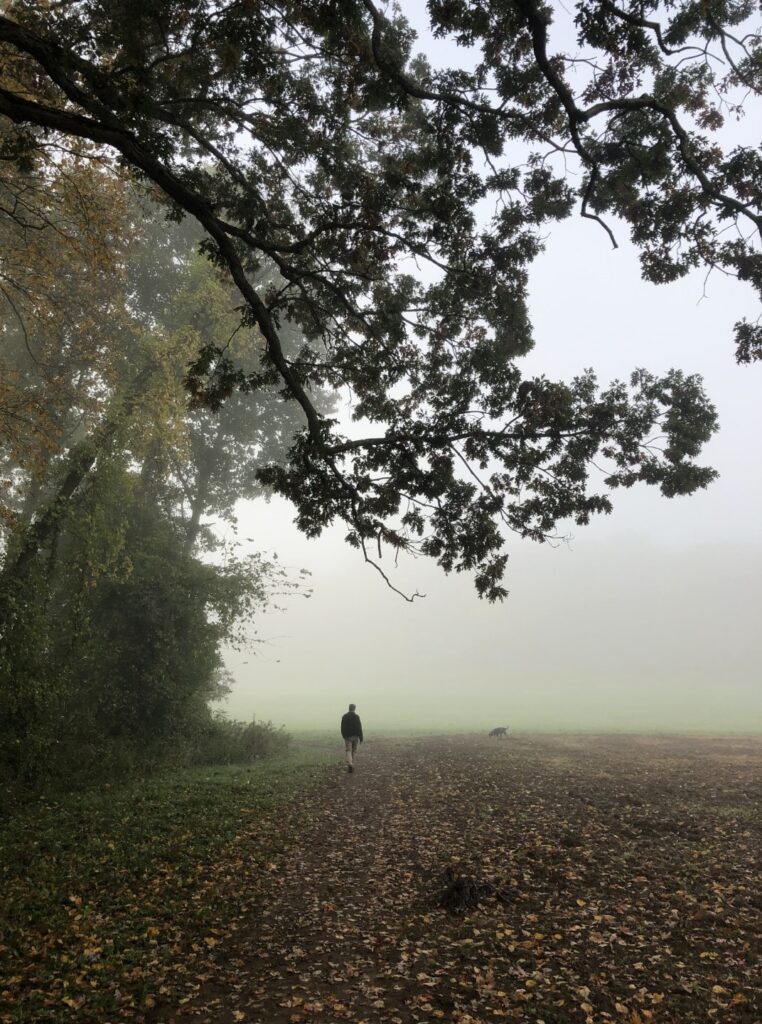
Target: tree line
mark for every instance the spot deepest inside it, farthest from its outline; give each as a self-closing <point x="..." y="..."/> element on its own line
<point x="118" y="596"/>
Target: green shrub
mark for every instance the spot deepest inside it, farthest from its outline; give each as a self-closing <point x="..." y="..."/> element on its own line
<point x="225" y="741"/>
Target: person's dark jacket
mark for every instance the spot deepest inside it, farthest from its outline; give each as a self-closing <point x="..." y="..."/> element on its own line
<point x="351" y="726"/>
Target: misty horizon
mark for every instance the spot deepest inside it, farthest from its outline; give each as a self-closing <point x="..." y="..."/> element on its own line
<point x="627" y="652"/>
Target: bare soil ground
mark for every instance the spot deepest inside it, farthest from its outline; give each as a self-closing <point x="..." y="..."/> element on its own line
<point x="542" y="879"/>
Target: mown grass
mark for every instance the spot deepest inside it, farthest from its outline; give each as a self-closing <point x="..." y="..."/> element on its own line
<point x="102" y="890"/>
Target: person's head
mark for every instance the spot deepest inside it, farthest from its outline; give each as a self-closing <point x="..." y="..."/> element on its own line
<point x="352" y="707"/>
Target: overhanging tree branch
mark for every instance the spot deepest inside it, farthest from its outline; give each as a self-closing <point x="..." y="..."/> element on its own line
<point x="357" y="164"/>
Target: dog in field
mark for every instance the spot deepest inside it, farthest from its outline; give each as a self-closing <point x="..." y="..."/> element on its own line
<point x="501" y="730"/>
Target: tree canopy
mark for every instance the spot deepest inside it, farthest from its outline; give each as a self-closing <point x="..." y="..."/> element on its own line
<point x="116" y="598"/>
<point x="341" y="181"/>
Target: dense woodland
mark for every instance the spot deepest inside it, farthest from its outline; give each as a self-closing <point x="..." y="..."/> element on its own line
<point x="118" y="595"/>
<point x="216" y="217"/>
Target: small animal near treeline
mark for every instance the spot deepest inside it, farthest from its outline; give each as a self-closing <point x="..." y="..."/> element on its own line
<point x="501" y="730"/>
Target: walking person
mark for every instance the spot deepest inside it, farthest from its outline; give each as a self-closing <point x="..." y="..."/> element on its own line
<point x="351" y="731"/>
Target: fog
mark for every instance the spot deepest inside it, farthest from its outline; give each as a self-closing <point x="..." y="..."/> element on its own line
<point x="646" y="620"/>
<point x="623" y="634"/>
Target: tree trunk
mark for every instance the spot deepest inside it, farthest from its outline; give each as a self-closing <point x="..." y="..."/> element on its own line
<point x="82" y="458"/>
<point x="199" y="502"/>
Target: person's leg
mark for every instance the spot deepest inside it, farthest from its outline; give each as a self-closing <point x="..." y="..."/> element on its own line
<point x="354" y="748"/>
<point x="348" y="747"/>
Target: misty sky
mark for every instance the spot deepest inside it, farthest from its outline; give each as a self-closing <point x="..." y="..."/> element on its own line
<point x="647" y="619"/>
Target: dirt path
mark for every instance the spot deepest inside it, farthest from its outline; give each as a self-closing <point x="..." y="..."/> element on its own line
<point x="616" y="880"/>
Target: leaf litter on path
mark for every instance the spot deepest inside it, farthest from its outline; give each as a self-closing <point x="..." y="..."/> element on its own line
<point x="608" y="879"/>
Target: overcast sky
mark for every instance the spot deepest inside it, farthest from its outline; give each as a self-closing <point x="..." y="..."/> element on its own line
<point x="647" y="619"/>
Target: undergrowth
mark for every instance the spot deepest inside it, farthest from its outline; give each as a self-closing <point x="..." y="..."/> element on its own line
<point x="103" y="889"/>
